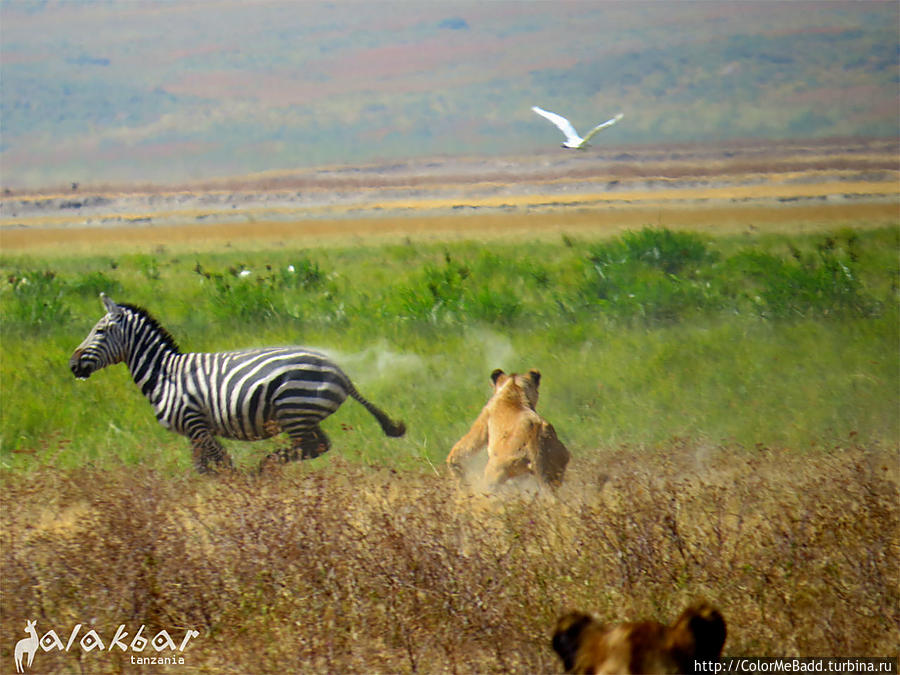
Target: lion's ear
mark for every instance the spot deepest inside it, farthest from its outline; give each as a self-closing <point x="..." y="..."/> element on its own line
<point x="496" y="375"/>
<point x="535" y="376"/>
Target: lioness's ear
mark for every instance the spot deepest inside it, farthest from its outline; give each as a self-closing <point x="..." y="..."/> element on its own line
<point x="496" y="375"/>
<point x="567" y="637"/>
<point x="535" y="376"/>
<point x="707" y="628"/>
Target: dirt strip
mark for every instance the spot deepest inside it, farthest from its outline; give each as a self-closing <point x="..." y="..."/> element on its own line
<point x="775" y="186"/>
<point x="592" y="221"/>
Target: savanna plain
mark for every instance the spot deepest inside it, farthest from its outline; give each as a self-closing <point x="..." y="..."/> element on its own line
<point x="727" y="384"/>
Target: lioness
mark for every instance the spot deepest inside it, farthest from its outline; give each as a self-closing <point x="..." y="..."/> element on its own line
<point x="589" y="647"/>
<point x="518" y="440"/>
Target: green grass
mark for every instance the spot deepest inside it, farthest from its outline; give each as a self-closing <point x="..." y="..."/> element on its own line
<point x="776" y="340"/>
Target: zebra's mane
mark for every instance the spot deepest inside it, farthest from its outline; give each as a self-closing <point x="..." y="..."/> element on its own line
<point x="151" y="321"/>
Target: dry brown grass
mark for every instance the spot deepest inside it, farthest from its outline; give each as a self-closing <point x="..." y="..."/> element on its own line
<point x="351" y="569"/>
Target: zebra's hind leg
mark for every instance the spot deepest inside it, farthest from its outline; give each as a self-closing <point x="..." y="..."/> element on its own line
<point x="311" y="442"/>
<point x="306" y="443"/>
<point x="208" y="453"/>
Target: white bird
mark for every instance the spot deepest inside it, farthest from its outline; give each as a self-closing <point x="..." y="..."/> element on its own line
<point x="573" y="140"/>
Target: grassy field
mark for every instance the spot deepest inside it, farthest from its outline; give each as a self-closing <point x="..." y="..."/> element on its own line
<point x="773" y="339"/>
<point x="730" y="402"/>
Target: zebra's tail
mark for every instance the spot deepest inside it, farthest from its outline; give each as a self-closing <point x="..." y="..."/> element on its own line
<point x="389" y="426"/>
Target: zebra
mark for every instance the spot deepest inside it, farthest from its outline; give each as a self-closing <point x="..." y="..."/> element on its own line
<point x="246" y="395"/>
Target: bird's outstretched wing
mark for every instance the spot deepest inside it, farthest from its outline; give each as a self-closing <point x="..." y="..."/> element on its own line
<point x="603" y="125"/>
<point x="564" y="125"/>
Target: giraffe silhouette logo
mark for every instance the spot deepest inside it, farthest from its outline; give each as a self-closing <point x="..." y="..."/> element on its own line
<point x="27" y="646"/>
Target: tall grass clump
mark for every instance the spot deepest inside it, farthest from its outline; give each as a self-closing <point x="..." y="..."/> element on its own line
<point x="659" y="275"/>
<point x="824" y="283"/>
<point x="35" y="299"/>
<point x="651" y="275"/>
<point x="455" y="293"/>
<point x="671" y="251"/>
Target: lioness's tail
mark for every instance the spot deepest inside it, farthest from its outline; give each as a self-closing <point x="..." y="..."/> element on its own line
<point x="390" y="427"/>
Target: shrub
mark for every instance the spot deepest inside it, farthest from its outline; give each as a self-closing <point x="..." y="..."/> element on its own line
<point x="654" y="274"/>
<point x="672" y="252"/>
<point x="435" y="295"/>
<point x="91" y="285"/>
<point x="264" y="294"/>
<point x="658" y="275"/>
<point x="493" y="305"/>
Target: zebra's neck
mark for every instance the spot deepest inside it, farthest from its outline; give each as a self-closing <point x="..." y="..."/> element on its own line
<point x="149" y="350"/>
<point x="148" y="365"/>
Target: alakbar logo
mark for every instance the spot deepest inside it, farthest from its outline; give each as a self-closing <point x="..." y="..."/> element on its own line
<point x="27" y="647"/>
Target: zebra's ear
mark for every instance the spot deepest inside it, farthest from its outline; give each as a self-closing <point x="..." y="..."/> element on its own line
<point x="111" y="307"/>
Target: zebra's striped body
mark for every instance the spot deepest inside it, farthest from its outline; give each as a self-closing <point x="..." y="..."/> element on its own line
<point x="244" y="395"/>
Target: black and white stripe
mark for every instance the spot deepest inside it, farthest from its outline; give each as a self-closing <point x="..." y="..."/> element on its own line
<point x="245" y="395"/>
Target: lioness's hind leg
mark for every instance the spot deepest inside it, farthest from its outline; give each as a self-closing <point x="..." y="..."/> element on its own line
<point x="553" y="456"/>
<point x="498" y="471"/>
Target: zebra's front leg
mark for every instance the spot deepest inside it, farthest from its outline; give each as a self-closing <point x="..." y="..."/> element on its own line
<point x="209" y="455"/>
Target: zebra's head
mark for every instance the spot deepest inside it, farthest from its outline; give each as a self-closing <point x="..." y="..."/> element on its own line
<point x="104" y="345"/>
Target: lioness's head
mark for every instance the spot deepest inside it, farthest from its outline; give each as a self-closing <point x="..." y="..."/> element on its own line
<point x="516" y="384"/>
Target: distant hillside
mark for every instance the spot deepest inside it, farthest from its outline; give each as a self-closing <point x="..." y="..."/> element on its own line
<point x="146" y="91"/>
